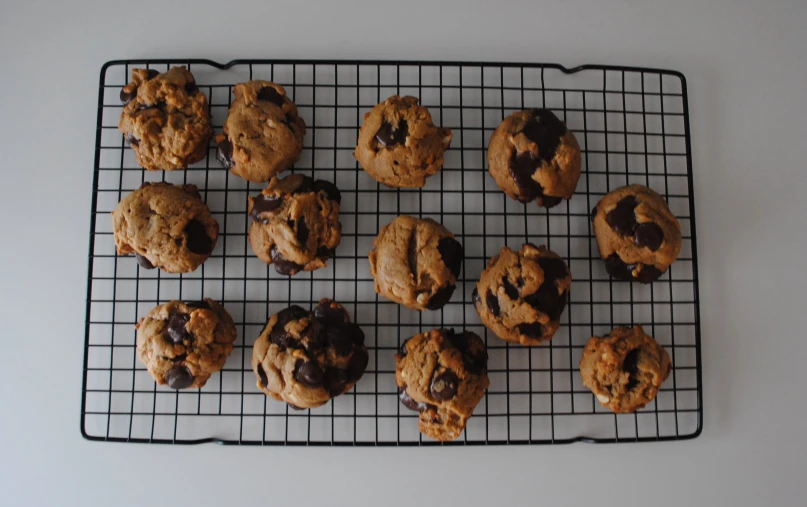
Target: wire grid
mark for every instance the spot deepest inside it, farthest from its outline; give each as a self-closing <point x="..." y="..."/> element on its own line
<point x="632" y="126"/>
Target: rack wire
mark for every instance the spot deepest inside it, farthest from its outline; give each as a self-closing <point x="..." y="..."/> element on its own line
<point x="633" y="127"/>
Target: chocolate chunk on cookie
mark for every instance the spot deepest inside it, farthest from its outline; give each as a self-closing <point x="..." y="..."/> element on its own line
<point x="182" y="343"/>
<point x="295" y="223"/>
<point x="165" y="119"/>
<point x="525" y="294"/>
<point x="399" y="145"/>
<point x="165" y="226"/>
<point x="306" y="358"/>
<point x="442" y="375"/>
<point x="415" y="262"/>
<point x="625" y="368"/>
<point x="532" y="156"/>
<point x="637" y="234"/>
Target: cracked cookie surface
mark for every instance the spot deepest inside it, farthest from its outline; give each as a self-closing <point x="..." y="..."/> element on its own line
<point x="166" y="226"/>
<point x="399" y="145"/>
<point x="416" y="262"/>
<point x="263" y="133"/>
<point x="625" y="368"/>
<point x="295" y="223"/>
<point x="182" y="343"/>
<point x="637" y="234"/>
<point x="165" y="119"/>
<point x="532" y="156"/>
<point x="521" y="295"/>
<point x="306" y="358"/>
<point x="442" y="375"/>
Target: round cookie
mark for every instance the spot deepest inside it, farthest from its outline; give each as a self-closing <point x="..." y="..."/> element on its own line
<point x="306" y="358"/>
<point x="637" y="234"/>
<point x="165" y="119"/>
<point x="295" y="223"/>
<point x="521" y="295"/>
<point x="416" y="263"/>
<point x="533" y="156"/>
<point x="166" y="226"/>
<point x="399" y="145"/>
<point x="442" y="375"/>
<point x="182" y="343"/>
<point x="263" y="134"/>
<point x="624" y="369"/>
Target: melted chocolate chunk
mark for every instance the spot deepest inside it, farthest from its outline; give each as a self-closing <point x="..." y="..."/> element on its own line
<point x="191" y="88"/>
<point x="262" y="376"/>
<point x="330" y="190"/>
<point x="411" y="404"/>
<point x="451" y="252"/>
<point x="547" y="300"/>
<point x="509" y="289"/>
<point x="269" y="94"/>
<point x="630" y="365"/>
<point x="144" y="262"/>
<point x="389" y="135"/>
<point x="264" y="204"/>
<point x="198" y="304"/>
<point x="522" y="167"/>
<point x="330" y="315"/>
<point x="224" y="154"/>
<point x="531" y="330"/>
<point x="649" y="235"/>
<point x="444" y="386"/>
<point x="617" y="268"/>
<point x="306" y="185"/>
<point x="152" y="74"/>
<point x="283" y="266"/>
<point x="475" y="297"/>
<point x="175" y="328"/>
<point x="324" y="252"/>
<point x="493" y="303"/>
<point x="132" y="140"/>
<point x="553" y="268"/>
<point x="545" y="130"/>
<point x="308" y="373"/>
<point x="649" y="274"/>
<point x="127" y="97"/>
<point x="622" y="218"/>
<point x="198" y="240"/>
<point x="357" y="365"/>
<point x="179" y="377"/>
<point x="441" y="297"/>
<point x="335" y="381"/>
<point x="302" y="232"/>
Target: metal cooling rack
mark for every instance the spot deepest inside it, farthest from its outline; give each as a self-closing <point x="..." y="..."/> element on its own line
<point x="633" y="127"/>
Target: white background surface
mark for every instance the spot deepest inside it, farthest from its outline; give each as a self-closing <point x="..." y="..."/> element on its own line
<point x="746" y="70"/>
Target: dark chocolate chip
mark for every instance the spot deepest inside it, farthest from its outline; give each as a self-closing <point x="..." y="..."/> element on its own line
<point x="475" y="297"/>
<point x="622" y="218"/>
<point x="452" y="253"/>
<point x="550" y="201"/>
<point x="191" y="88"/>
<point x="330" y="190"/>
<point x="127" y="97"/>
<point x="178" y="377"/>
<point x="143" y="262"/>
<point x="179" y="358"/>
<point x="617" y="268"/>
<point x="553" y="268"/>
<point x="324" y="252"/>
<point x="411" y="404"/>
<point x="547" y="300"/>
<point x="329" y="314"/>
<point x="631" y="367"/>
<point x="509" y="288"/>
<point x="198" y="240"/>
<point x="262" y="376"/>
<point x="197" y="304"/>
<point x="357" y="365"/>
<point x="302" y="232"/>
<point x="441" y="297"/>
<point x="335" y="381"/>
<point x="532" y="329"/>
<point x="340" y="339"/>
<point x="283" y="266"/>
<point x="264" y="204"/>
<point x="269" y="94"/>
<point x="152" y="74"/>
<point x="224" y="154"/>
<point x="545" y="130"/>
<point x="306" y="185"/>
<point x="278" y="334"/>
<point x="294" y="407"/>
<point x="520" y="281"/>
<point x="593" y="212"/>
<point x="308" y="373"/>
<point x="522" y="167"/>
<point x="389" y="136"/>
<point x="649" y="235"/>
<point x="132" y="140"/>
<point x="493" y="303"/>
<point x="403" y="352"/>
<point x="444" y="386"/>
<point x="175" y="329"/>
<point x="648" y="274"/>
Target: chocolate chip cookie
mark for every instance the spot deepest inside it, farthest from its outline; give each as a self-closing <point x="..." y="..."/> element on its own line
<point x="263" y="134"/>
<point x="165" y="119"/>
<point x="625" y="368"/>
<point x="637" y="234"/>
<point x="306" y="358"/>
<point x="443" y="375"/>
<point x="534" y="157"/>
<point x="416" y="263"/>
<point x="166" y="226"/>
<point x="521" y="295"/>
<point x="399" y="145"/>
<point x="295" y="223"/>
<point x="182" y="343"/>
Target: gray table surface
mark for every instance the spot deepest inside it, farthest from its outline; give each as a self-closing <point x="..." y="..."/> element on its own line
<point x="746" y="71"/>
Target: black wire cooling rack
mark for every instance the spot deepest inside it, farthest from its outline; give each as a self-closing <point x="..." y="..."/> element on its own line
<point x="633" y="127"/>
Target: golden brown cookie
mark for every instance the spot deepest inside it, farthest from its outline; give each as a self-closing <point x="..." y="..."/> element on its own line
<point x="416" y="263"/>
<point x="637" y="234"/>
<point x="295" y="223"/>
<point x="166" y="226"/>
<point x="306" y="358"/>
<point x="625" y="368"/>
<point x="263" y="134"/>
<point x="442" y="375"/>
<point x="521" y="295"/>
<point x="165" y="120"/>
<point x="399" y="145"/>
<point x="182" y="343"/>
<point x="533" y="156"/>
